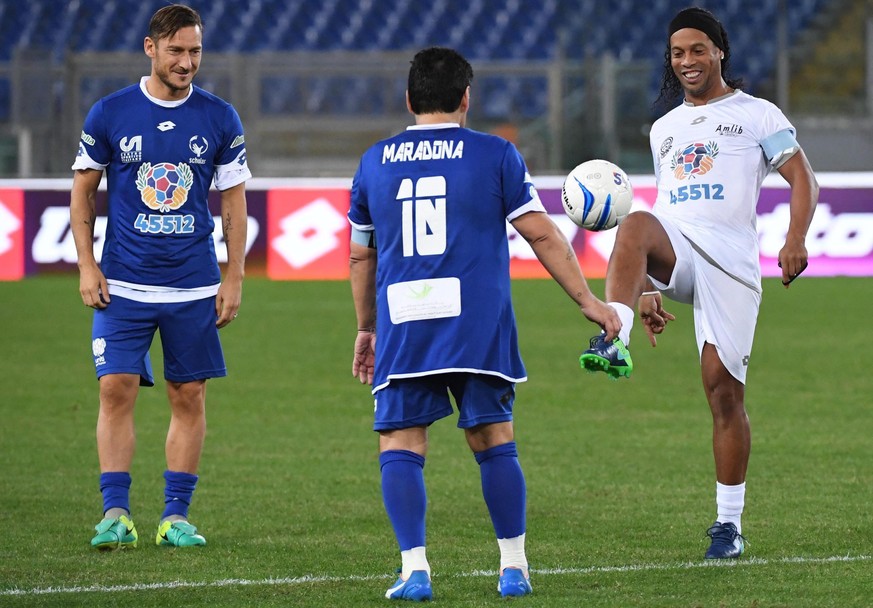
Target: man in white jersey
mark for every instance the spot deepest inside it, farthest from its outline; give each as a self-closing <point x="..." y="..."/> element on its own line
<point x="162" y="143"/>
<point x="430" y="277"/>
<point x="699" y="245"/>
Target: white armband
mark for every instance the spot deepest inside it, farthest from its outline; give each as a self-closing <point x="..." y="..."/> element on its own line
<point x="780" y="147"/>
<point x="367" y="238"/>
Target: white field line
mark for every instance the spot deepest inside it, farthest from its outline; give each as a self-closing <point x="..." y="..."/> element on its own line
<point x="310" y="579"/>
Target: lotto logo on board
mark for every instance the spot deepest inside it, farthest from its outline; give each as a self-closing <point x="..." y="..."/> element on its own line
<point x="308" y="234"/>
<point x="11" y="234"/>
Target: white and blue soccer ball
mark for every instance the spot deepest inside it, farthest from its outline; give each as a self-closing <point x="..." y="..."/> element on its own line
<point x="597" y="195"/>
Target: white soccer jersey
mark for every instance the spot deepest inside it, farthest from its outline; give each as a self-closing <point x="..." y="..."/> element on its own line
<point x="709" y="164"/>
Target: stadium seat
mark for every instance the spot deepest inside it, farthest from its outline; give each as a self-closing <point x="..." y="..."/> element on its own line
<point x="484" y="30"/>
<point x="5" y="100"/>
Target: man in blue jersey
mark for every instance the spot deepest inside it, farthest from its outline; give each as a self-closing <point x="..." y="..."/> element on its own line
<point x="699" y="245"/>
<point x="430" y="278"/>
<point x="162" y="143"/>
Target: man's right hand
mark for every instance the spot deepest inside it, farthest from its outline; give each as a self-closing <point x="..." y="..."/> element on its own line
<point x="605" y="316"/>
<point x="653" y="315"/>
<point x="93" y="287"/>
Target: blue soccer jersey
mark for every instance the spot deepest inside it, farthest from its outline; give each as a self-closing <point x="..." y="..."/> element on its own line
<point x="438" y="198"/>
<point x="161" y="157"/>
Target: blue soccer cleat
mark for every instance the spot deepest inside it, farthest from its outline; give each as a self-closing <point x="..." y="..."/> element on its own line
<point x="415" y="589"/>
<point x="610" y="357"/>
<point x="513" y="583"/>
<point x="727" y="543"/>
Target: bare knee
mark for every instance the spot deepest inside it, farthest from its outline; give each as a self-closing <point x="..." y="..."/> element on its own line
<point x="486" y="436"/>
<point x="725" y="403"/>
<point x="187" y="398"/>
<point x="413" y="439"/>
<point x="632" y="231"/>
<point x="642" y="244"/>
<point x="118" y="392"/>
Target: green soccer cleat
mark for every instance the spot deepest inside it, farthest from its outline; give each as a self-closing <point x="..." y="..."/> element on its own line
<point x="178" y="534"/>
<point x="115" y="534"/>
<point x="610" y="357"/>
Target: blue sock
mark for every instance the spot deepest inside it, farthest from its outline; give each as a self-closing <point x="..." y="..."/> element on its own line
<point x="504" y="489"/>
<point x="115" y="488"/>
<point x="404" y="495"/>
<point x="177" y="493"/>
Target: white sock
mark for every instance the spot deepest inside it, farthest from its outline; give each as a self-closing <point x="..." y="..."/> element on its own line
<point x="730" y="501"/>
<point x="174" y="518"/>
<point x="512" y="553"/>
<point x="413" y="559"/>
<point x="626" y="314"/>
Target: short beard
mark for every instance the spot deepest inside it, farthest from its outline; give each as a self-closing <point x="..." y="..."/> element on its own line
<point x="166" y="82"/>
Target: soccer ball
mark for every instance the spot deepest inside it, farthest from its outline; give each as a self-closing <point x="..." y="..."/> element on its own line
<point x="597" y="195"/>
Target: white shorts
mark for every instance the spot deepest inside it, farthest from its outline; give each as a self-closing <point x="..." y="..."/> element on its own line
<point x="725" y="310"/>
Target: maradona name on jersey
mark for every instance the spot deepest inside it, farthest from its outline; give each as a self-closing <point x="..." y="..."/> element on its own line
<point x="425" y="149"/>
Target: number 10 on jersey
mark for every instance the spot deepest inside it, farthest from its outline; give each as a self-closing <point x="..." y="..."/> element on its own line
<point x="424" y="215"/>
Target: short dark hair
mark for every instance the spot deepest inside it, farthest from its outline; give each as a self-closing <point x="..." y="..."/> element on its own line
<point x="170" y="19"/>
<point x="438" y="79"/>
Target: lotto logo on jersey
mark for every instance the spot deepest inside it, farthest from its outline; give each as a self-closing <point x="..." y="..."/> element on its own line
<point x="164" y="186"/>
<point x="694" y="160"/>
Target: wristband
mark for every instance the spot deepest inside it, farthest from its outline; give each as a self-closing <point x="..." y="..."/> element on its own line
<point x="367" y="330"/>
<point x="649" y="293"/>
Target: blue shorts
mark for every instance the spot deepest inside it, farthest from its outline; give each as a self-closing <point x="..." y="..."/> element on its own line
<point x="408" y="402"/>
<point x="122" y="334"/>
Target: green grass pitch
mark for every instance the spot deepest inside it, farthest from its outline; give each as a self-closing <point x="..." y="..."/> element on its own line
<point x="620" y="474"/>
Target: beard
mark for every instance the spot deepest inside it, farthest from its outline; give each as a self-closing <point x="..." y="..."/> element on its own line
<point x="165" y="77"/>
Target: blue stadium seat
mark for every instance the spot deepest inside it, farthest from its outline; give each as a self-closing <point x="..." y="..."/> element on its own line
<point x="484" y="30"/>
<point x="5" y="100"/>
<point x="280" y="96"/>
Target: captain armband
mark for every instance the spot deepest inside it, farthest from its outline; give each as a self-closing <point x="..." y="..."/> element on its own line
<point x="367" y="238"/>
<point x="780" y="147"/>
